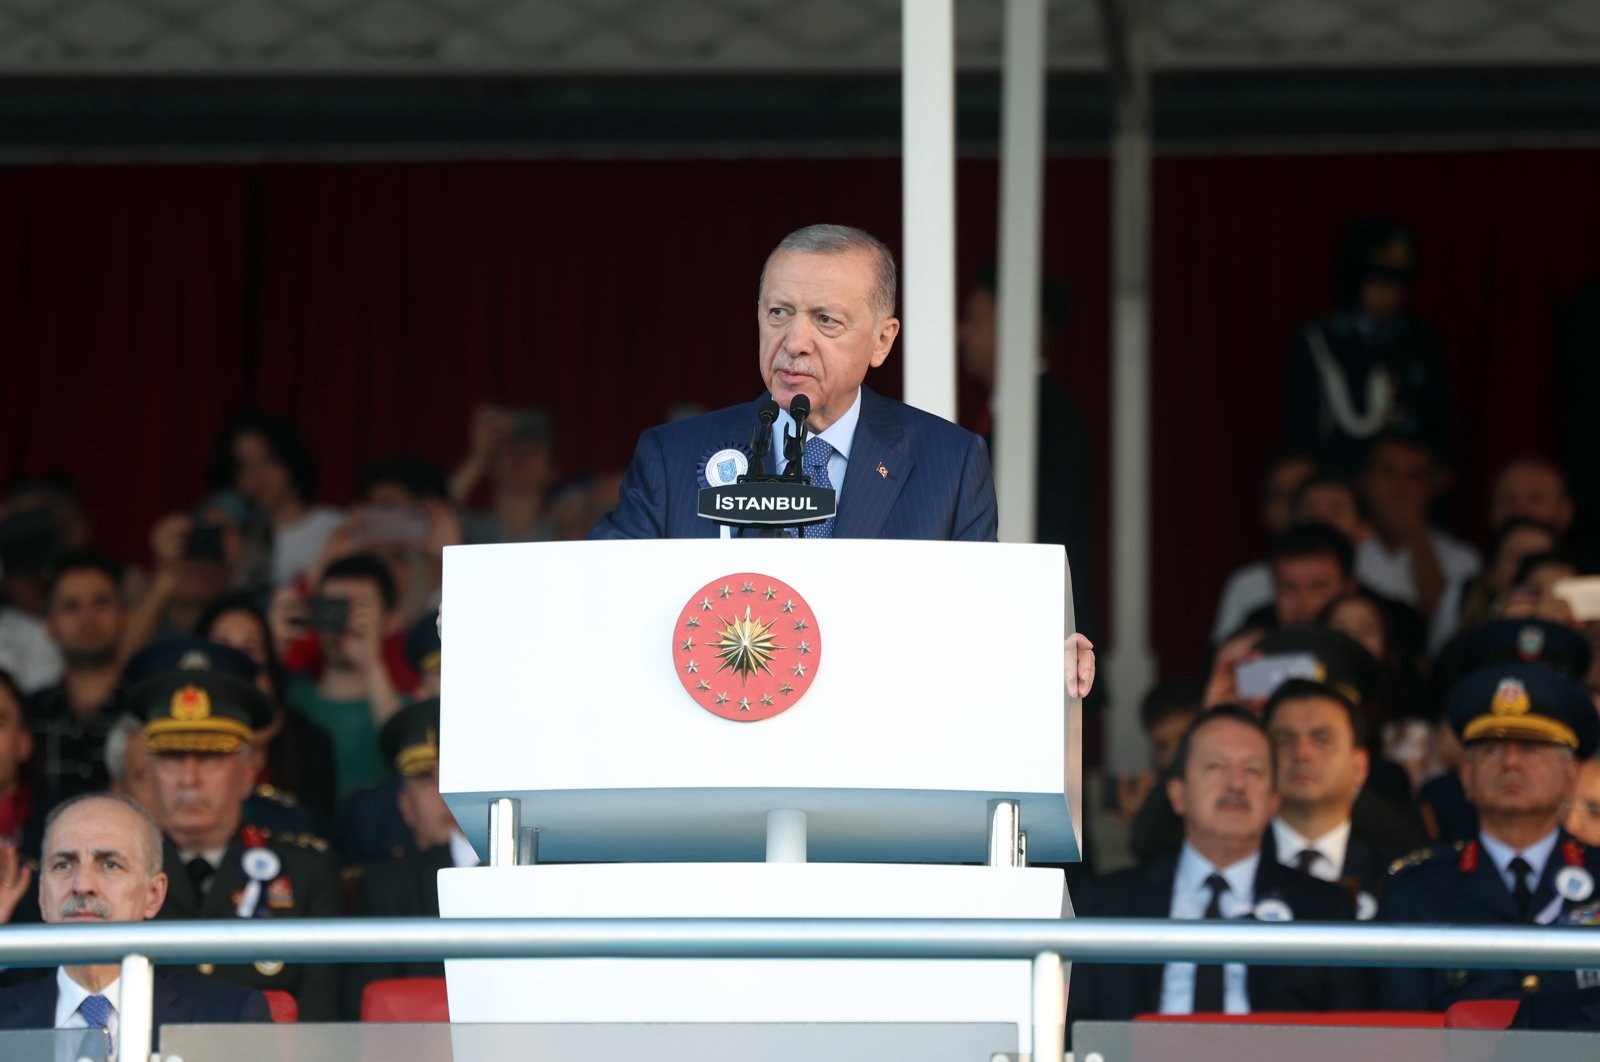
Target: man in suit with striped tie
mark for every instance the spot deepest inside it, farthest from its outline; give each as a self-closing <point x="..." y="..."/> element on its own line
<point x="102" y="863"/>
<point x="825" y="315"/>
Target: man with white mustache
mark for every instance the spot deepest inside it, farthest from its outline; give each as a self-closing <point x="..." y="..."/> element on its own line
<point x="1223" y="786"/>
<point x="202" y="708"/>
<point x="102" y="863"/>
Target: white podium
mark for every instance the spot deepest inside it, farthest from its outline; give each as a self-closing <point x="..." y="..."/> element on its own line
<point x="582" y="686"/>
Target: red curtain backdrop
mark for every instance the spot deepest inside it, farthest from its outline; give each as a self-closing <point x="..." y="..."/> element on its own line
<point x="142" y="306"/>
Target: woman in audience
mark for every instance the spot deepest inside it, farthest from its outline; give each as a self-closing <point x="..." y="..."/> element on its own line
<point x="296" y="755"/>
<point x="266" y="461"/>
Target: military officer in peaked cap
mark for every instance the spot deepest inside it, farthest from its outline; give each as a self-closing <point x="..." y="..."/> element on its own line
<point x="200" y="716"/>
<point x="408" y="887"/>
<point x="1526" y="729"/>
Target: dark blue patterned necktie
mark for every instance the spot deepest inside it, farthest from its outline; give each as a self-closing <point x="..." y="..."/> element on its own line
<point x="814" y="463"/>
<point x="96" y="1010"/>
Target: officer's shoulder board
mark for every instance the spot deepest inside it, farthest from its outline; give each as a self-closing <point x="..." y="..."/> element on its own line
<point x="281" y="797"/>
<point x="297" y="840"/>
<point x="1424" y="856"/>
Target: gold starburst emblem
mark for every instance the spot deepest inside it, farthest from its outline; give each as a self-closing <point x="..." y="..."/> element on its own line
<point x="745" y="646"/>
<point x="733" y="659"/>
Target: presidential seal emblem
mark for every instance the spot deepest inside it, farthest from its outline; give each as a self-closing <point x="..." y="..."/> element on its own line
<point x="746" y="647"/>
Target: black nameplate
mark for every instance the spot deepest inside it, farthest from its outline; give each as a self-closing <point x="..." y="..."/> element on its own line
<point x="773" y="503"/>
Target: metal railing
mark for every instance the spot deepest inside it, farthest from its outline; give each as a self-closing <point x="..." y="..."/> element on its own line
<point x="1043" y="942"/>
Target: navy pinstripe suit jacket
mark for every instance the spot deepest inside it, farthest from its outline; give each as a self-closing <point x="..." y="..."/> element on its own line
<point x="911" y="475"/>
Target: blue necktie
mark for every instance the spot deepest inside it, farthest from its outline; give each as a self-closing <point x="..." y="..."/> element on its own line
<point x="96" y="1010"/>
<point x="814" y="463"/>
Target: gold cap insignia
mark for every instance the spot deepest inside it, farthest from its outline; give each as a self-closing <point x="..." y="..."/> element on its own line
<point x="190" y="704"/>
<point x="420" y="758"/>
<point x="1511" y="698"/>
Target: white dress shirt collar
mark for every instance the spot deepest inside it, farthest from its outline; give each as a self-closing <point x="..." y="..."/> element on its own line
<point x="70" y="996"/>
<point x="1537" y="854"/>
<point x="1332" y="846"/>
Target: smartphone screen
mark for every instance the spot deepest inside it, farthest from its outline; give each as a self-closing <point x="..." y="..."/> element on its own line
<point x="1259" y="678"/>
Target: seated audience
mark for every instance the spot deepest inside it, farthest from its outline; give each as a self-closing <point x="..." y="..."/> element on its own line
<point x="1223" y="788"/>
<point x="1250" y="587"/>
<point x="1484" y="596"/>
<point x="1319" y="740"/>
<point x="1408" y="558"/>
<point x="295" y="755"/>
<point x="355" y="694"/>
<point x="87" y="619"/>
<point x="409" y="887"/>
<point x="219" y="548"/>
<point x="267" y="462"/>
<point x="1525" y="730"/>
<point x="1531" y="488"/>
<point x="201" y="713"/>
<point x="1583" y="817"/>
<point x="516" y="450"/>
<point x="103" y="864"/>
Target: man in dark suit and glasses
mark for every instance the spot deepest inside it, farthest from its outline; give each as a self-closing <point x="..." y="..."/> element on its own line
<point x="1224" y="789"/>
<point x="102" y="863"/>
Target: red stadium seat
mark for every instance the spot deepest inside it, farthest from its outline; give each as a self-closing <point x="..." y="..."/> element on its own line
<point x="1481" y="1014"/>
<point x="406" y="999"/>
<point x="1377" y="1019"/>
<point x="283" y="1006"/>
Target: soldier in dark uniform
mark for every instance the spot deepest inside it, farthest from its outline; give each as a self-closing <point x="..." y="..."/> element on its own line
<point x="1525" y="730"/>
<point x="200" y="717"/>
<point x="1371" y="367"/>
<point x="408" y="887"/>
<point x="1504" y="641"/>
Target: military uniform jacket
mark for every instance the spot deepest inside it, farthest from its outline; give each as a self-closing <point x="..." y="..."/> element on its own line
<point x="307" y="886"/>
<point x="407" y="887"/>
<point x="1118" y="992"/>
<point x="1457" y="884"/>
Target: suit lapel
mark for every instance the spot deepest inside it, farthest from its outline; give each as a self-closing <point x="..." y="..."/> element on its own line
<point x="1487" y="889"/>
<point x="229" y="879"/>
<point x="878" y="448"/>
<point x="182" y="900"/>
<point x="1156" y="902"/>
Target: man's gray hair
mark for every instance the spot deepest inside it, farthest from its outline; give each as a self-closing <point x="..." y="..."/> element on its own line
<point x="150" y="842"/>
<point x="117" y="739"/>
<point x="843" y="239"/>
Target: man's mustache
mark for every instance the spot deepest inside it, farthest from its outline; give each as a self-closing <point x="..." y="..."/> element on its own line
<point x="1233" y="800"/>
<point x="791" y="365"/>
<point x="77" y="905"/>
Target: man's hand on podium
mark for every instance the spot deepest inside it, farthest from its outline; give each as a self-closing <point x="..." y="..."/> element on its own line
<point x="1079" y="665"/>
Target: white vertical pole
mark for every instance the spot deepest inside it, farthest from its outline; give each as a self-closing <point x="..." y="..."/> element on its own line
<point x="1021" y="225"/>
<point x="928" y="180"/>
<point x="1049" y="1007"/>
<point x="1133" y="662"/>
<point x="136" y="999"/>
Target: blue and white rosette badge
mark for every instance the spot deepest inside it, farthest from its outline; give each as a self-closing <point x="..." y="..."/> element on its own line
<point x="1574" y="883"/>
<point x="260" y="865"/>
<point x="725" y="467"/>
<point x="1273" y="910"/>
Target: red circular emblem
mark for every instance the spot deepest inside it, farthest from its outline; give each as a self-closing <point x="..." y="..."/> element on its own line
<point x="746" y="647"/>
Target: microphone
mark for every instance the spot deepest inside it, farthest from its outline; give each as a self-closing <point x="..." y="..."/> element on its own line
<point x="795" y="445"/>
<point x="761" y="434"/>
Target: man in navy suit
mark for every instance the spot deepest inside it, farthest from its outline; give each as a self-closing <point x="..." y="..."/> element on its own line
<point x="825" y="316"/>
<point x="1223" y="788"/>
<point x="102" y="863"/>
